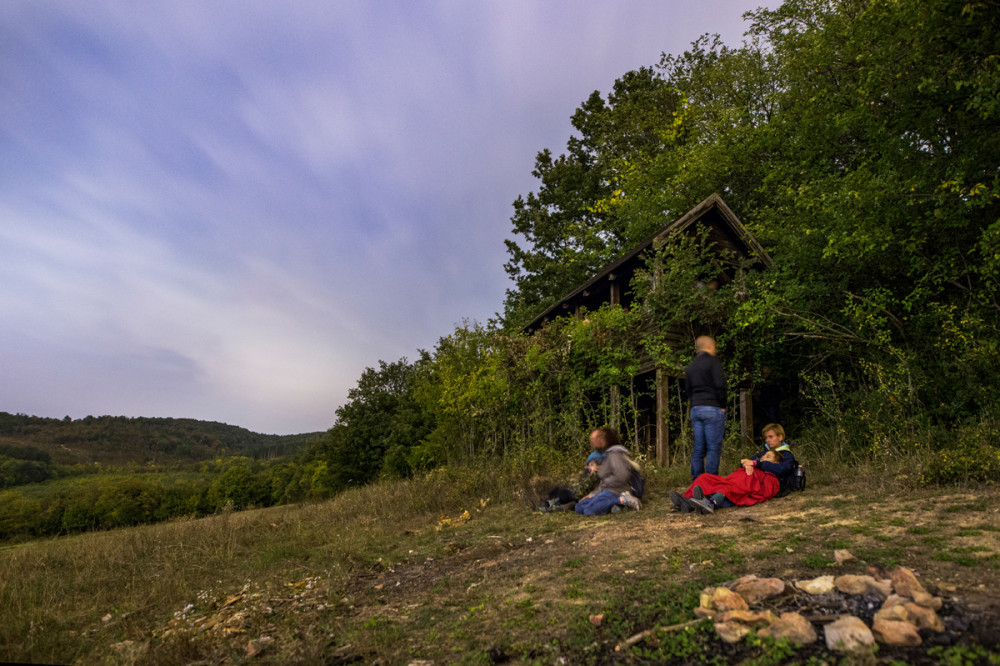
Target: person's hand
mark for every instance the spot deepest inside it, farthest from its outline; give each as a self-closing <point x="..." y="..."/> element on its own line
<point x="746" y="461"/>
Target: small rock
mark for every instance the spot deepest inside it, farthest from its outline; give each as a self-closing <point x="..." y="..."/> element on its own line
<point x="821" y="585"/>
<point x="793" y="626"/>
<point x="924" y="618"/>
<point x="848" y="634"/>
<point x="850" y="584"/>
<point x="106" y="618"/>
<point x="731" y="632"/>
<point x="905" y="582"/>
<point x="894" y="613"/>
<point x="596" y="620"/>
<point x="926" y="600"/>
<point x="748" y="617"/>
<point x="895" y="632"/>
<point x="881" y="587"/>
<point x="894" y="600"/>
<point x="723" y="600"/>
<point x="843" y="555"/>
<point x="755" y="590"/>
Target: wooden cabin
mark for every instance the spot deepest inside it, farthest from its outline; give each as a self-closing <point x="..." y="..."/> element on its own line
<point x="661" y="417"/>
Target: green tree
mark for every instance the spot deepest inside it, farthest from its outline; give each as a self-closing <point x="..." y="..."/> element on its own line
<point x="381" y="414"/>
<point x="566" y="235"/>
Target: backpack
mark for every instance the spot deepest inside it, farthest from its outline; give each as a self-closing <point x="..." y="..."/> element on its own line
<point x="637" y="484"/>
<point x="794" y="481"/>
<point x="797" y="480"/>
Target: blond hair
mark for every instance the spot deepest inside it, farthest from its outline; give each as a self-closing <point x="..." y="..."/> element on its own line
<point x="773" y="427"/>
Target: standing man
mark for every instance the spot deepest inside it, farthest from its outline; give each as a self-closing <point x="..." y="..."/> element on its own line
<point x="706" y="389"/>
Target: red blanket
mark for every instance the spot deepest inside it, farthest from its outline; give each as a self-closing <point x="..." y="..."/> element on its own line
<point x="738" y="487"/>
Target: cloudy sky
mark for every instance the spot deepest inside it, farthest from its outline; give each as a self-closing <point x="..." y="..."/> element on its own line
<point x="226" y="210"/>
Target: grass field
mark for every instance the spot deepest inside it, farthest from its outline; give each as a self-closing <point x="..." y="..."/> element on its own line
<point x="451" y="570"/>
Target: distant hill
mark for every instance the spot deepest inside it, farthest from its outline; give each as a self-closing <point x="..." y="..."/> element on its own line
<point x="117" y="440"/>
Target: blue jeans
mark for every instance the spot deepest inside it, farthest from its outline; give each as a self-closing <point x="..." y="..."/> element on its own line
<point x="600" y="503"/>
<point x="721" y="501"/>
<point x="708" y="425"/>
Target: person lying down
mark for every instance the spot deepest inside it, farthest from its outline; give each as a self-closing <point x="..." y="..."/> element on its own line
<point x="746" y="486"/>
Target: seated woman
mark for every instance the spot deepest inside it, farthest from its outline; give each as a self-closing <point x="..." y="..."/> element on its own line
<point x="746" y="486"/>
<point x="613" y="476"/>
<point x="774" y="440"/>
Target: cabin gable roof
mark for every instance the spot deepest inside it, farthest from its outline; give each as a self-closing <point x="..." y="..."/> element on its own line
<point x="724" y="228"/>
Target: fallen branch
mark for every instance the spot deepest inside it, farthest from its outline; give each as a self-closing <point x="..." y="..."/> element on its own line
<point x="629" y="642"/>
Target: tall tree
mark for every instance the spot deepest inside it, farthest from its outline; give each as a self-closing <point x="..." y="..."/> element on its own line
<point x="566" y="235"/>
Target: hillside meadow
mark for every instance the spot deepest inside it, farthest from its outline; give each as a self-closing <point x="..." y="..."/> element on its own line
<point x="455" y="567"/>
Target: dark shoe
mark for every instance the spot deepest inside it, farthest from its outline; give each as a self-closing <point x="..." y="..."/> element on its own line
<point x="678" y="501"/>
<point x="702" y="506"/>
<point x="698" y="493"/>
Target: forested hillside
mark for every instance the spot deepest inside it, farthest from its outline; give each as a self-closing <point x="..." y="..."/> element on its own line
<point x="60" y="476"/>
<point x="119" y="439"/>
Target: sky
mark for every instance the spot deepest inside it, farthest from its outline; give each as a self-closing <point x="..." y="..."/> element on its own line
<point x="227" y="210"/>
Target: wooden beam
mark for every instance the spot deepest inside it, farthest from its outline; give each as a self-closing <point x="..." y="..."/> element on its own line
<point x="662" y="416"/>
<point x="746" y="417"/>
<point x="615" y="400"/>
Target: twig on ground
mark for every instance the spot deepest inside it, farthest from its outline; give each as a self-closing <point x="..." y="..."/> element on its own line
<point x="642" y="635"/>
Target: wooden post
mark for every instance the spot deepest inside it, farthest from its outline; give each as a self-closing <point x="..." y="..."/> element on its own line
<point x="615" y="297"/>
<point x="662" y="412"/>
<point x="615" y="400"/>
<point x="746" y="417"/>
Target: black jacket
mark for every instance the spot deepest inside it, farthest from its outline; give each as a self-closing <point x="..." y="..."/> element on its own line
<point x="706" y="385"/>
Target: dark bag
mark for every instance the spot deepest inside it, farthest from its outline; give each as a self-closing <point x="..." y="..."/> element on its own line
<point x="797" y="479"/>
<point x="794" y="481"/>
<point x="637" y="484"/>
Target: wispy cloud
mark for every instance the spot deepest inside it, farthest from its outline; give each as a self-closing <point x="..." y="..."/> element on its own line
<point x="226" y="210"/>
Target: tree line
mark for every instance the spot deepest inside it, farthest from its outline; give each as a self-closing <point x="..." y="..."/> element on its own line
<point x="121" y="439"/>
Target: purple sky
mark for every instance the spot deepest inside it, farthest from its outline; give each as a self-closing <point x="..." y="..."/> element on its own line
<point x="227" y="210"/>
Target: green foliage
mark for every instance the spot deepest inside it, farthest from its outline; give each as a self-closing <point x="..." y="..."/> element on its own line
<point x="374" y="431"/>
<point x="856" y="140"/>
<point x="973" y="457"/>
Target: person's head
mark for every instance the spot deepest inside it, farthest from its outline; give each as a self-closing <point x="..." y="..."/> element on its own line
<point x="773" y="434"/>
<point x="773" y="457"/>
<point x="603" y="439"/>
<point x="704" y="343"/>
